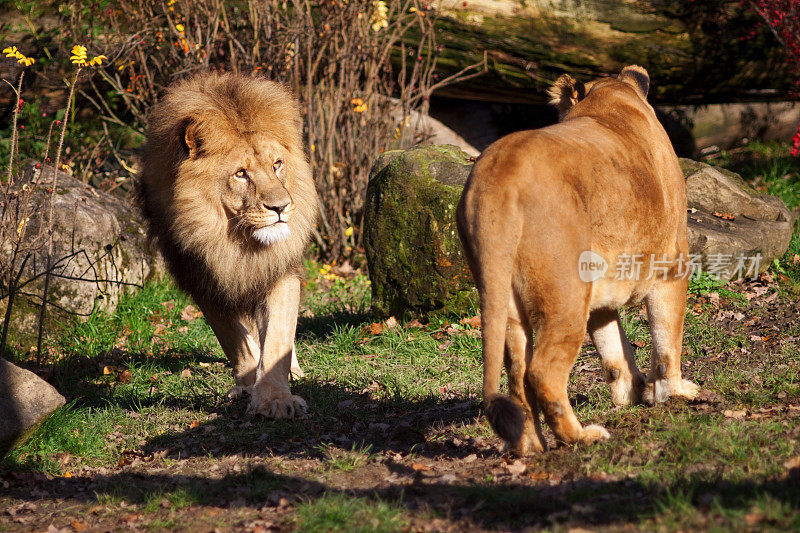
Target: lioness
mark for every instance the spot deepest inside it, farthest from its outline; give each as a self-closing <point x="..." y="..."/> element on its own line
<point x="230" y="201"/>
<point x="604" y="184"/>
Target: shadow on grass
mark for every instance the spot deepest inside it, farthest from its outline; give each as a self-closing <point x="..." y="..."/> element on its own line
<point x="582" y="502"/>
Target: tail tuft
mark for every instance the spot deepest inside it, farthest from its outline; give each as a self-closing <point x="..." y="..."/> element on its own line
<point x="505" y="416"/>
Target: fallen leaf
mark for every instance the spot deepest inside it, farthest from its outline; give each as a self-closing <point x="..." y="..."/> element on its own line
<point x="185" y="373"/>
<point x="516" y="468"/>
<point x="638" y="344"/>
<point x="68" y="474"/>
<point x="107" y="370"/>
<point x="160" y="330"/>
<point x="538" y="476"/>
<point x="77" y="525"/>
<point x="194" y="424"/>
<point x="391" y="322"/>
<point x="415" y="324"/>
<point x="125" y="376"/>
<point x="469" y="459"/>
<point x="753" y="518"/>
<point x="190" y="313"/>
<point x="724" y="216"/>
<point x="738" y="414"/>
<point x="474" y="321"/>
<point x="376" y="328"/>
<point x="419" y="467"/>
<point x="169" y="306"/>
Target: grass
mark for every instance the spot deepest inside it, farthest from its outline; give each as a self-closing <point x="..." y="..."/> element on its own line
<point x="149" y="436"/>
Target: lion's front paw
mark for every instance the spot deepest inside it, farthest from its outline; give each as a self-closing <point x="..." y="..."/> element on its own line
<point x="296" y="373"/>
<point x="594" y="433"/>
<point x="656" y="391"/>
<point x="288" y="406"/>
<point x="626" y="389"/>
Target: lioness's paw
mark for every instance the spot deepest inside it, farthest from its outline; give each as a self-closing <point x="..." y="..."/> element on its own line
<point x="628" y="389"/>
<point x="296" y="373"/>
<point x="685" y="389"/>
<point x="657" y="391"/>
<point x="289" y="406"/>
<point x="594" y="433"/>
<point x="237" y="392"/>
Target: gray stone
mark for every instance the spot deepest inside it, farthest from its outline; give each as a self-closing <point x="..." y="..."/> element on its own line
<point x="761" y="227"/>
<point x="416" y="262"/>
<point x="26" y="401"/>
<point x="99" y="245"/>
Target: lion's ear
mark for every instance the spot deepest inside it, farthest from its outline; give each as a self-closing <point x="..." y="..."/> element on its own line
<point x="565" y="93"/>
<point x="636" y="76"/>
<point x="191" y="138"/>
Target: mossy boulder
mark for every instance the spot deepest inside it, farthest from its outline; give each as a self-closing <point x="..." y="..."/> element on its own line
<point x="416" y="263"/>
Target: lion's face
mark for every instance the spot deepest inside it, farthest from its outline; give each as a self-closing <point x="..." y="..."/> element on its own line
<point x="255" y="193"/>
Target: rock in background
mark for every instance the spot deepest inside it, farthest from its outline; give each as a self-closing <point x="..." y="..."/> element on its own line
<point x="416" y="263"/>
<point x="99" y="249"/>
<point x="26" y="401"/>
<point x="415" y="258"/>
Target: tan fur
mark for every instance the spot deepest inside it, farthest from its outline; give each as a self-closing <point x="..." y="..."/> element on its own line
<point x="223" y="166"/>
<point x="605" y="179"/>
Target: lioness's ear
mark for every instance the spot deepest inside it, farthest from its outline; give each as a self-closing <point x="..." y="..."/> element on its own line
<point x="191" y="139"/>
<point x="565" y="93"/>
<point x="636" y="76"/>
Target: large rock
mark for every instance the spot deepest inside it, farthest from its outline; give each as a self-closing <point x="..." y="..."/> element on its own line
<point x="99" y="249"/>
<point x="416" y="263"/>
<point x="26" y="401"/>
<point x="729" y="220"/>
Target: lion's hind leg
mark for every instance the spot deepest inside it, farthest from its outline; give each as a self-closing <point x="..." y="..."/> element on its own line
<point x="558" y="341"/>
<point x="517" y="355"/>
<point x="617" y="356"/>
<point x="666" y="305"/>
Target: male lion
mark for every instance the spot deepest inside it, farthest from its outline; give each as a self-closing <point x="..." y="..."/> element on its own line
<point x="603" y="184"/>
<point x="229" y="199"/>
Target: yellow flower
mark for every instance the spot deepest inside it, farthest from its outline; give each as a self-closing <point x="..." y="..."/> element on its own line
<point x="359" y="104"/>
<point x="97" y="60"/>
<point x="348" y="231"/>
<point x="78" y="56"/>
<point x="21" y="58"/>
<point x="179" y="27"/>
<point x="379" y="18"/>
<point x="412" y="9"/>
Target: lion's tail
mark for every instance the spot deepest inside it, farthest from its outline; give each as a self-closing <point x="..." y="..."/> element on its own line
<point x="490" y="243"/>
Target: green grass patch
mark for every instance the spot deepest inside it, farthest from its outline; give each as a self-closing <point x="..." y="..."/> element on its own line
<point x="342" y="513"/>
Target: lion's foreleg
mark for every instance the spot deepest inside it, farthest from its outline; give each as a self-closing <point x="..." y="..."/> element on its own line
<point x="617" y="356"/>
<point x="666" y="305"/>
<point x="270" y="395"/>
<point x="236" y="337"/>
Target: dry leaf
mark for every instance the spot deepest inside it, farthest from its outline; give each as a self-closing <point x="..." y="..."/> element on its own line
<point x="125" y="376"/>
<point x="739" y="414"/>
<point x="189" y="313"/>
<point x="516" y="468"/>
<point x="376" y="328"/>
<point x="169" y="306"/>
<point x="194" y="424"/>
<point x="415" y="324"/>
<point x="474" y="321"/>
<point x="753" y="518"/>
<point x="160" y="329"/>
<point x="107" y="370"/>
<point x="391" y="322"/>
<point x="469" y="459"/>
<point x="185" y="373"/>
<point x="724" y="216"/>
<point x="77" y="525"/>
<point x="419" y="467"/>
<point x="538" y="476"/>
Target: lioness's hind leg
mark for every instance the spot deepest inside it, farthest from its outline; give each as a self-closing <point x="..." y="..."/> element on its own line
<point x="517" y="346"/>
<point x="557" y="346"/>
<point x="617" y="356"/>
<point x="666" y="305"/>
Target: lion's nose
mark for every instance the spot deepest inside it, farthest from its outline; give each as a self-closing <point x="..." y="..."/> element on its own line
<point x="277" y="208"/>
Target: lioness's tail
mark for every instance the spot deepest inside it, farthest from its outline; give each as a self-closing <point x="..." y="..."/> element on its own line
<point x="490" y="231"/>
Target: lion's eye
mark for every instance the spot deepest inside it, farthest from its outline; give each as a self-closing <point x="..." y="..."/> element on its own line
<point x="241" y="174"/>
<point x="277" y="165"/>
